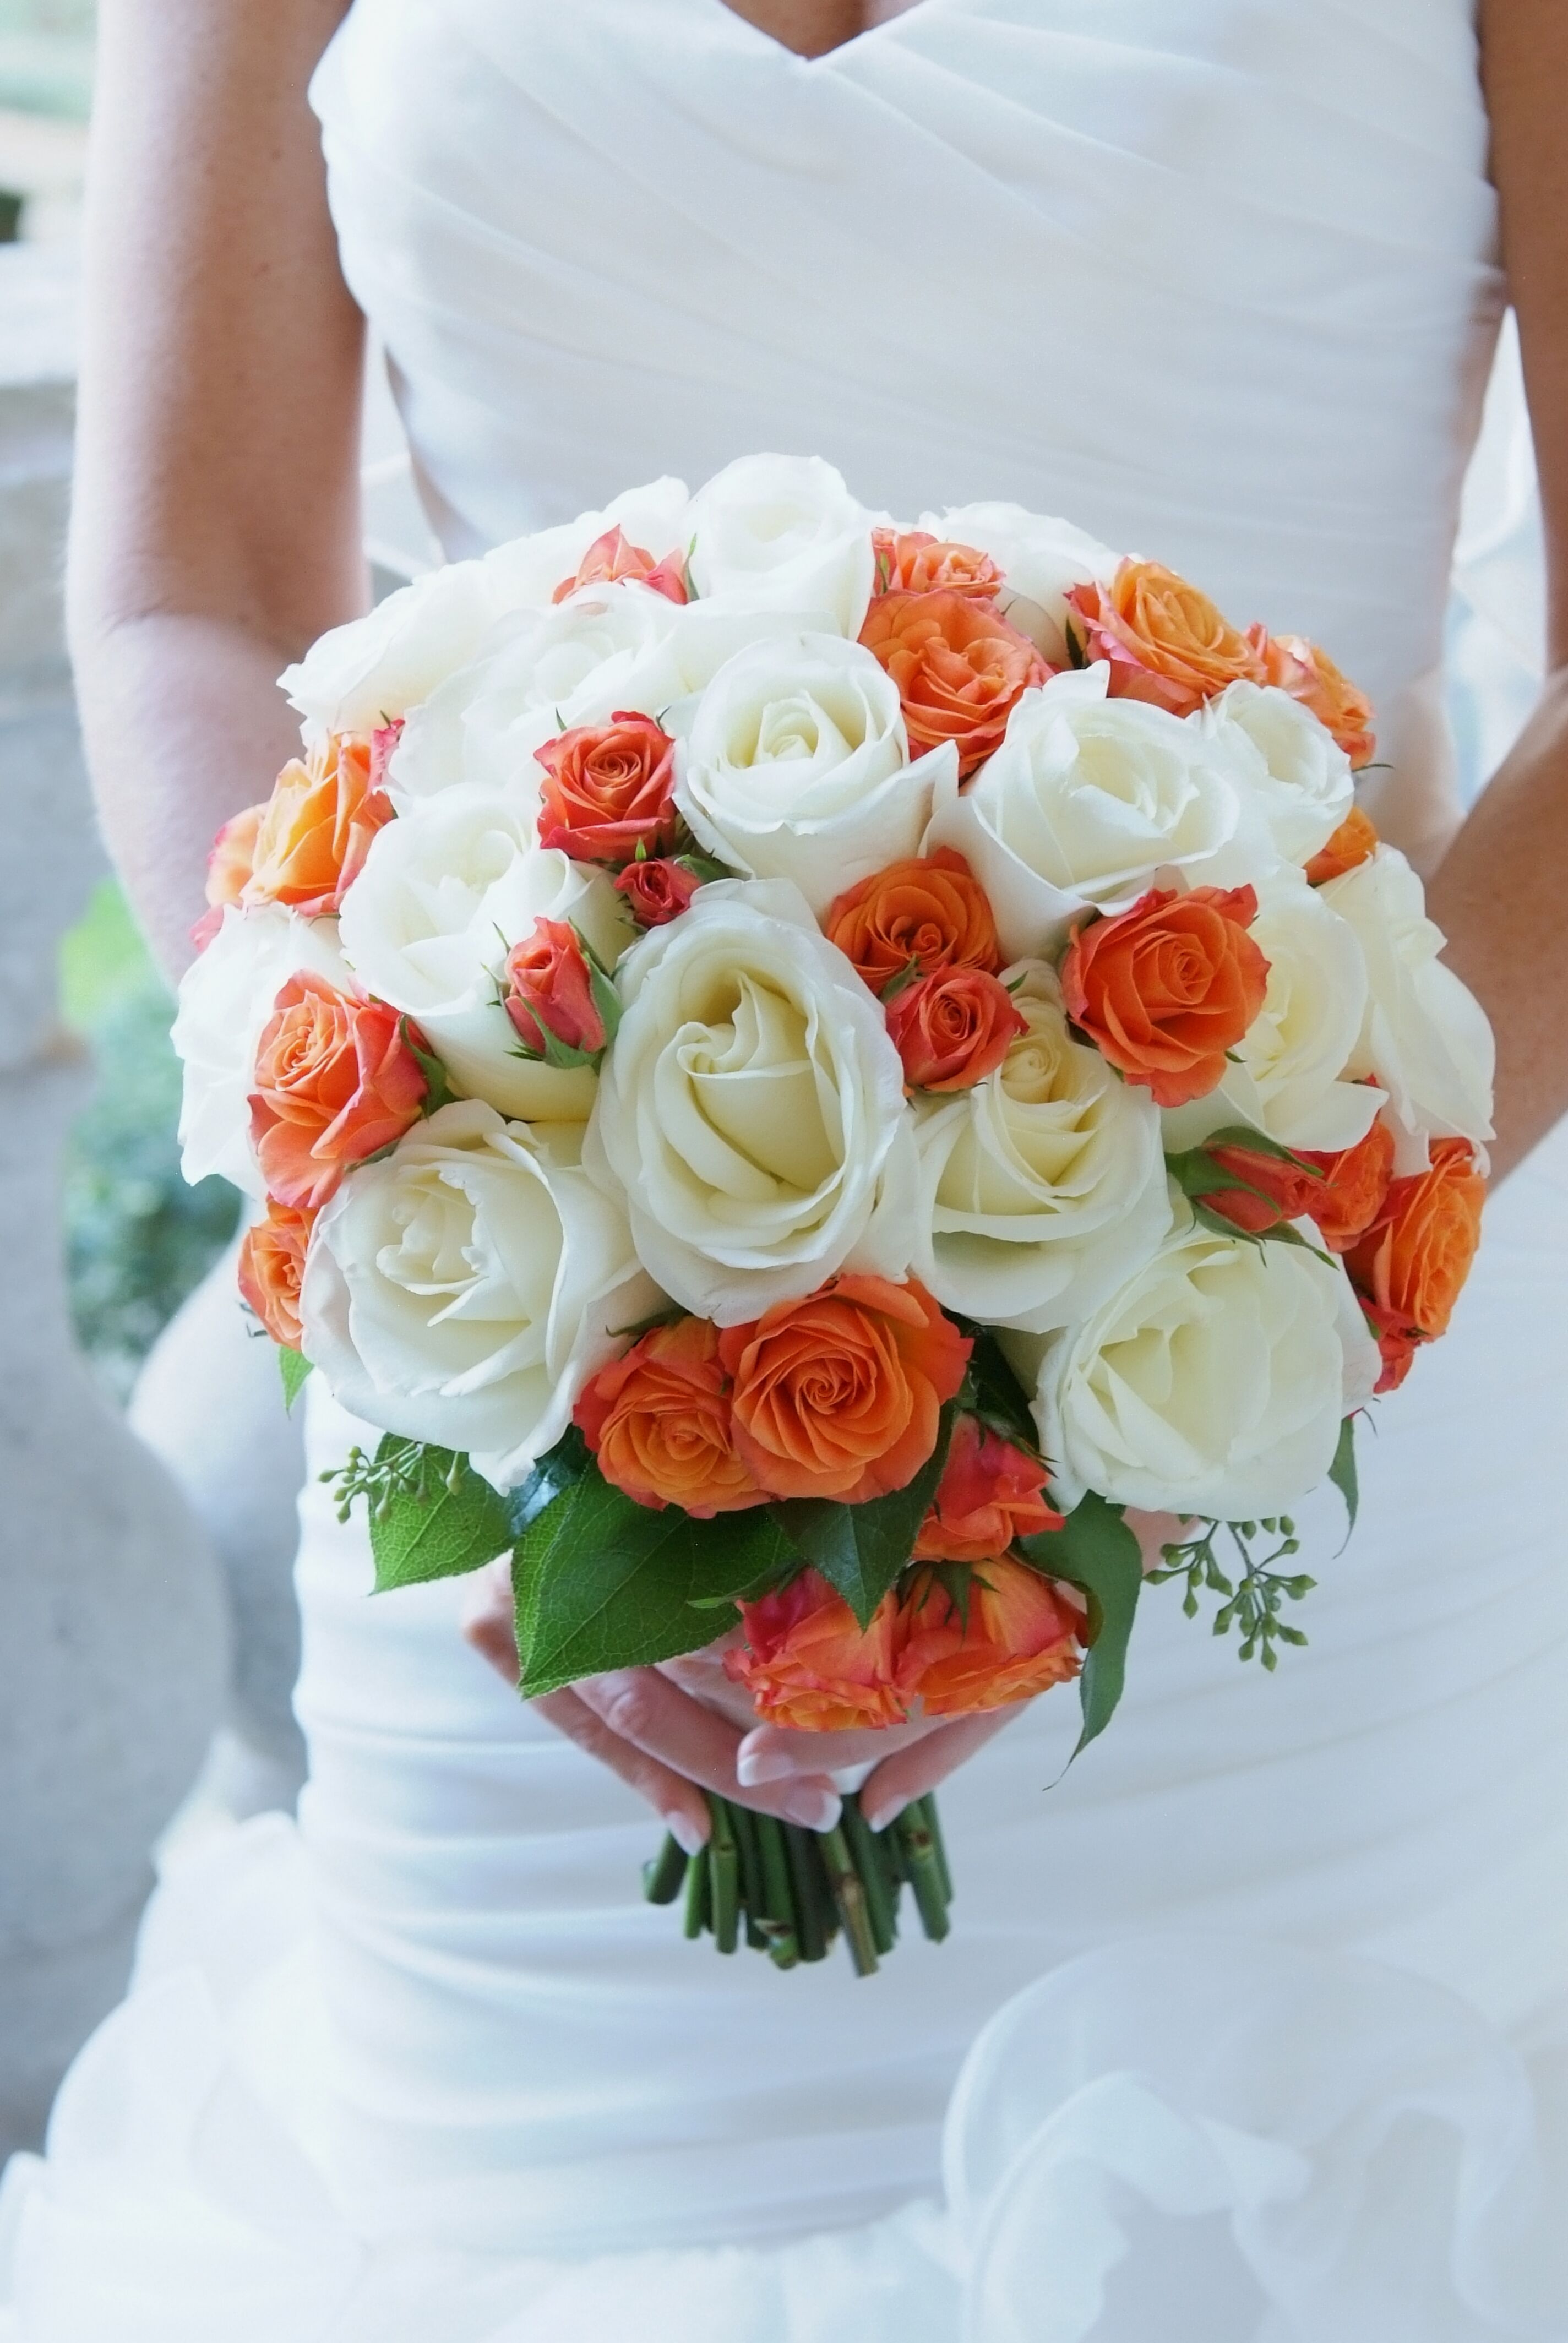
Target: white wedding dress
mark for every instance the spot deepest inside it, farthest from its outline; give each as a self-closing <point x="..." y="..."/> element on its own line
<point x="1255" y="2028"/>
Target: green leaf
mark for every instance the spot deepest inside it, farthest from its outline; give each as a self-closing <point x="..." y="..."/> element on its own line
<point x="861" y="1549"/>
<point x="1097" y="1552"/>
<point x="294" y="1367"/>
<point x="438" y="1090"/>
<point x="551" y="1477"/>
<point x="1342" y="1470"/>
<point x="457" y="1525"/>
<point x="603" y="1583"/>
<point x="994" y="1394"/>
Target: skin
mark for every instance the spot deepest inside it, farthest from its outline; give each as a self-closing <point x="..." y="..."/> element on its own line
<point x="217" y="533"/>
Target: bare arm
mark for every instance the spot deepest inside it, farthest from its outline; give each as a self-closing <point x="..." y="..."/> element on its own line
<point x="217" y="515"/>
<point x="1502" y="892"/>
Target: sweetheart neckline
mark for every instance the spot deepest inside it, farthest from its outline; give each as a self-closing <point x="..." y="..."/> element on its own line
<point x="827" y="56"/>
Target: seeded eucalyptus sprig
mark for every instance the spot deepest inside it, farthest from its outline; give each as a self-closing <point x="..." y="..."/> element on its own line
<point x="1252" y="1601"/>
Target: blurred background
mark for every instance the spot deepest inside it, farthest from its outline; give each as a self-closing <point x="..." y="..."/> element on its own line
<point x="147" y="1635"/>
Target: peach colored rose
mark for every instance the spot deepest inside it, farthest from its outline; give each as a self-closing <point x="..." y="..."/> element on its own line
<point x="912" y="561"/>
<point x="1164" y="989"/>
<point x="1166" y="642"/>
<point x="272" y="1268"/>
<point x="1310" y="675"/>
<point x="808" y="1663"/>
<point x="989" y="1494"/>
<point x="953" y="1029"/>
<point x="1341" y="1190"/>
<point x="336" y="1081"/>
<point x="1016" y="1636"/>
<point x="927" y="912"/>
<point x="610" y="789"/>
<point x="548" y="992"/>
<point x="233" y="858"/>
<point x="838" y="1395"/>
<point x="1412" y="1263"/>
<point x="383" y="742"/>
<point x="961" y="669"/>
<point x="658" y="1420"/>
<point x="609" y="559"/>
<point x="658" y="890"/>
<point x="316" y="827"/>
<point x="1354" y="842"/>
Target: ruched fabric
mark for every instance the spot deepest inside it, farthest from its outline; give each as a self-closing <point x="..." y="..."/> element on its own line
<point x="1253" y="2028"/>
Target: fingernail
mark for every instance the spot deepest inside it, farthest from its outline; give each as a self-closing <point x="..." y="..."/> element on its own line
<point x="686" y="1834"/>
<point x="816" y="1810"/>
<point x="879" y="1818"/>
<point x="754" y="1766"/>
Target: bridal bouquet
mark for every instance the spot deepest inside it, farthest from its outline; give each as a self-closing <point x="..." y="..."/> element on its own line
<point x="801" y="1065"/>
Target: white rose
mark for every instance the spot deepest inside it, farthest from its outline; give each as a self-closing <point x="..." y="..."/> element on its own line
<point x="463" y="1289"/>
<point x="375" y="669"/>
<point x="1424" y="1037"/>
<point x="1086" y="799"/>
<point x="1299" y="779"/>
<point x="796" y="766"/>
<point x="446" y="890"/>
<point x="1293" y="1074"/>
<point x="752" y="1109"/>
<point x="783" y="533"/>
<point x="1042" y="560"/>
<point x="526" y="572"/>
<point x="226" y="997"/>
<point x="1042" y="1186"/>
<point x="1214" y="1381"/>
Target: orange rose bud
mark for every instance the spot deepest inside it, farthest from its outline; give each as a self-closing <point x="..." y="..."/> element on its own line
<point x="316" y="827"/>
<point x="609" y="559"/>
<point x="1166" y="989"/>
<point x="658" y="1420"/>
<point x="808" y="1663"/>
<point x="272" y="1269"/>
<point x="610" y="789"/>
<point x="954" y="1029"/>
<point x="1166" y="642"/>
<point x="548" y="992"/>
<point x="1354" y="842"/>
<point x="991" y="1493"/>
<point x="657" y="890"/>
<point x="1412" y="1263"/>
<point x="1310" y="675"/>
<point x="912" y="561"/>
<point x="1341" y="1190"/>
<point x="335" y="1082"/>
<point x="927" y="912"/>
<point x="1019" y="1637"/>
<point x="959" y="667"/>
<point x="840" y="1394"/>
<point x="1397" y="1346"/>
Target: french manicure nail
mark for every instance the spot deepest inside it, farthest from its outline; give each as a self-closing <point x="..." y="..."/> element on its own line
<point x="755" y="1767"/>
<point x="686" y="1834"/>
<point x="816" y="1810"/>
<point x="878" y="1818"/>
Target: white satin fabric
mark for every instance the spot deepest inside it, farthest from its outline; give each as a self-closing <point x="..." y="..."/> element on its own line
<point x="1255" y="2028"/>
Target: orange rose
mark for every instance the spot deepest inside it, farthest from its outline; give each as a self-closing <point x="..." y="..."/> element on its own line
<point x="808" y="1663"/>
<point x="954" y="1029"/>
<point x="658" y="1420"/>
<point x="272" y="1269"/>
<point x="658" y="890"/>
<point x="335" y="1082"/>
<point x="608" y="790"/>
<point x="1341" y="1190"/>
<point x="1016" y="1636"/>
<point x="1412" y="1262"/>
<point x="959" y="669"/>
<point x="838" y="1395"/>
<point x="548" y="992"/>
<point x="912" y="561"/>
<point x="1354" y="842"/>
<point x="1310" y="675"/>
<point x="609" y="559"/>
<point x="991" y="1493"/>
<point x="317" y="828"/>
<point x="927" y="912"/>
<point x="1165" y="641"/>
<point x="1166" y="989"/>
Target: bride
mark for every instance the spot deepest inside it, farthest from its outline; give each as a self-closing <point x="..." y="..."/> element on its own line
<point x="1255" y="2027"/>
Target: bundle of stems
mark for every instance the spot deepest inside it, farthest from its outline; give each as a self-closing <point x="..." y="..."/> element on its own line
<point x="788" y="1892"/>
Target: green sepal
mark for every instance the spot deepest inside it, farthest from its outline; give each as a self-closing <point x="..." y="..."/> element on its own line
<point x="909" y="974"/>
<point x="1342" y="1470"/>
<point x="1097" y="1553"/>
<point x="438" y="1090"/>
<point x="438" y="1520"/>
<point x="601" y="1581"/>
<point x="702" y="868"/>
<point x="294" y="1367"/>
<point x="861" y="1549"/>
